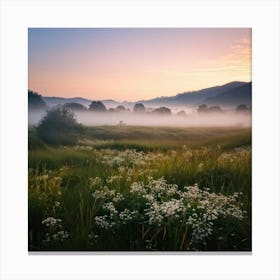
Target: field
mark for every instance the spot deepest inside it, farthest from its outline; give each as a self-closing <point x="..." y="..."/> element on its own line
<point x="125" y="188"/>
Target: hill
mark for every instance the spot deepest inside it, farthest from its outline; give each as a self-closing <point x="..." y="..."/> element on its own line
<point x="233" y="97"/>
<point x="193" y="98"/>
<point x="229" y="95"/>
<point x="53" y="101"/>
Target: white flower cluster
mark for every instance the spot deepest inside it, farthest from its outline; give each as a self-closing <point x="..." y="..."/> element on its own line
<point x="55" y="230"/>
<point x="83" y="148"/>
<point x="154" y="189"/>
<point x="107" y="194"/>
<point x="239" y="153"/>
<point x="127" y="215"/>
<point x="51" y="221"/>
<point x="157" y="212"/>
<point x="196" y="208"/>
<point x="110" y="207"/>
<point x="138" y="188"/>
<point x="93" y="182"/>
<point x="60" y="236"/>
<point x="113" y="178"/>
<point x="104" y="222"/>
<point x="128" y="157"/>
<point x="114" y="218"/>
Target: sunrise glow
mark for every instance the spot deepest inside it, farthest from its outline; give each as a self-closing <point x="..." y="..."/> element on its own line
<point x="134" y="64"/>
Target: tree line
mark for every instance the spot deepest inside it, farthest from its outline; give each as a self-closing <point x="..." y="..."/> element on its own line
<point x="35" y="101"/>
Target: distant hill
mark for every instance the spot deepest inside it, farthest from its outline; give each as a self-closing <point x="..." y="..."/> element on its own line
<point x="53" y="101"/>
<point x="193" y="98"/>
<point x="232" y="97"/>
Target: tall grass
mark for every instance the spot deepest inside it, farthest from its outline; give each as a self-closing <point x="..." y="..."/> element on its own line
<point x="102" y="195"/>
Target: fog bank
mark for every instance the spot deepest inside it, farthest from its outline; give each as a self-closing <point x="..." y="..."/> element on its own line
<point x="194" y="119"/>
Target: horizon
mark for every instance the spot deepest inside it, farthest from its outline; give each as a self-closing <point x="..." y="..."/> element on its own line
<point x="134" y="64"/>
<point x="133" y="101"/>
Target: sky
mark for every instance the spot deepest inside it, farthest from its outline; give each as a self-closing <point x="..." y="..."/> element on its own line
<point x="130" y="64"/>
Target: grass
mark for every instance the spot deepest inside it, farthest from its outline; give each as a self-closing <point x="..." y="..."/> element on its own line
<point x="88" y="190"/>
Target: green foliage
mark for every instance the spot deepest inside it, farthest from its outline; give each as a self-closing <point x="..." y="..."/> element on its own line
<point x="35" y="100"/>
<point x="83" y="189"/>
<point x="59" y="127"/>
<point x="34" y="142"/>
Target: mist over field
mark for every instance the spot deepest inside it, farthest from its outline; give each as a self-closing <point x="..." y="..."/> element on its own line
<point x="148" y="119"/>
<point x="139" y="139"/>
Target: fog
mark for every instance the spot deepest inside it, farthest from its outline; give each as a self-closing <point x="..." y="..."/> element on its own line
<point x="191" y="119"/>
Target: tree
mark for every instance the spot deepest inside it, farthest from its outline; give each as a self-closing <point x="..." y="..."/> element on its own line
<point x="111" y="110"/>
<point x="59" y="127"/>
<point x="203" y="108"/>
<point x="215" y="109"/>
<point x="139" y="108"/>
<point x="97" y="106"/>
<point x="120" y="108"/>
<point x="162" y="111"/>
<point x="242" y="108"/>
<point x="75" y="106"/>
<point x="181" y="113"/>
<point x="35" y="100"/>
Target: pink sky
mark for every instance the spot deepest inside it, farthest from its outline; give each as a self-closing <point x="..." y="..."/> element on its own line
<point x="134" y="64"/>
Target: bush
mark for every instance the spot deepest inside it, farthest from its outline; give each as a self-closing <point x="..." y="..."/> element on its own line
<point x="59" y="127"/>
<point x="34" y="142"/>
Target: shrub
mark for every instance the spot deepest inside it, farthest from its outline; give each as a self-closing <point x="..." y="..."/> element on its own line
<point x="59" y="127"/>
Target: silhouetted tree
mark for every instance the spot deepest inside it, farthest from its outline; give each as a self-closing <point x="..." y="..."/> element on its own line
<point x="215" y="109"/>
<point x="181" y="113"/>
<point x="242" y="108"/>
<point x="75" y="106"/>
<point x="97" y="106"/>
<point x="139" y="108"/>
<point x="203" y="108"/>
<point x="120" y="108"/>
<point x="162" y="111"/>
<point x="59" y="127"/>
<point x="111" y="110"/>
<point x="35" y="100"/>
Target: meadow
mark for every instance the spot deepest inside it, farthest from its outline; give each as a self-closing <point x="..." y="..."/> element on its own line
<point x="136" y="188"/>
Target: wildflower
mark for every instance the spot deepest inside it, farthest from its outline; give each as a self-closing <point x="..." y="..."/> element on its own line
<point x="57" y="203"/>
<point x="50" y="221"/>
<point x="200" y="166"/>
<point x="95" y="181"/>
